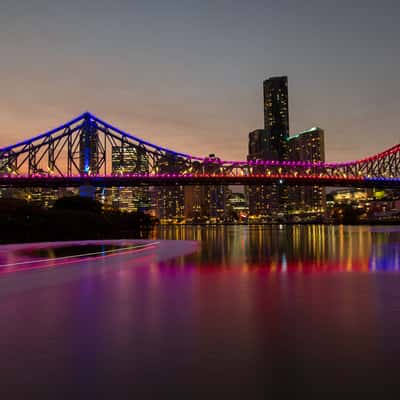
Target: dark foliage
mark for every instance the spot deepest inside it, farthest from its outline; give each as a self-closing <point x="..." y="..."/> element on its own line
<point x="73" y="218"/>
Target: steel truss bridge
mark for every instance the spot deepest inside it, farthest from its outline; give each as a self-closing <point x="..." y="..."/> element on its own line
<point x="90" y="151"/>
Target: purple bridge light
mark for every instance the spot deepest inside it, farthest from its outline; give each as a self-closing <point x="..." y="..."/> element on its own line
<point x="88" y="150"/>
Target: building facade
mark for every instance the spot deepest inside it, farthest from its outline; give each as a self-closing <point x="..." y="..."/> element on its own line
<point x="168" y="201"/>
<point x="307" y="146"/>
<point x="129" y="159"/>
<point x="276" y="115"/>
<point x="270" y="143"/>
<point x="206" y="203"/>
<point x="88" y="150"/>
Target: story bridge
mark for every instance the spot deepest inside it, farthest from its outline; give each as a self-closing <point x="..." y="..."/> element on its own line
<point x="90" y="151"/>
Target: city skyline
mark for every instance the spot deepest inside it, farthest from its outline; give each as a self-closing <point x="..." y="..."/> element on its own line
<point x="164" y="84"/>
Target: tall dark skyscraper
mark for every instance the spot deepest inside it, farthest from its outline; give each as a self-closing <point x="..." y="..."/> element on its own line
<point x="270" y="143"/>
<point x="276" y="114"/>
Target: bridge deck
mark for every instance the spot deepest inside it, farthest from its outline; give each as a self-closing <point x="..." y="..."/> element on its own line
<point x="186" y="180"/>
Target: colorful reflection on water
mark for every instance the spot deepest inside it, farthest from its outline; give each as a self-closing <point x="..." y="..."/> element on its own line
<point x="253" y="312"/>
<point x="298" y="248"/>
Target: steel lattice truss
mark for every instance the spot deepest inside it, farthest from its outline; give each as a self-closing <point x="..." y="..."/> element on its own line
<point x="88" y="149"/>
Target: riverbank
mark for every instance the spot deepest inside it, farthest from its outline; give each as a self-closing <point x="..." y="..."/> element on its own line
<point x="71" y="218"/>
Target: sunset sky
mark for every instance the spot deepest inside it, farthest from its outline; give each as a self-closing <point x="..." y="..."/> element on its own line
<point x="188" y="74"/>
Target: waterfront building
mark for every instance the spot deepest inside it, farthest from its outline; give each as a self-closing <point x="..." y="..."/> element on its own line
<point x="237" y="207"/>
<point x="263" y="199"/>
<point x="168" y="201"/>
<point x="128" y="159"/>
<point x="270" y="143"/>
<point x="214" y="196"/>
<point x="43" y="197"/>
<point x="193" y="203"/>
<point x="206" y="202"/>
<point x="307" y="146"/>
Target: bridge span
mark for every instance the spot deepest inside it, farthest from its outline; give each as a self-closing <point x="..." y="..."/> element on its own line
<point x="90" y="151"/>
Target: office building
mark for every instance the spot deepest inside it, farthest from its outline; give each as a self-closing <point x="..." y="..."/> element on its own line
<point x="88" y="150"/>
<point x="129" y="159"/>
<point x="307" y="146"/>
<point x="276" y="115"/>
<point x="168" y="201"/>
<point x="206" y="202"/>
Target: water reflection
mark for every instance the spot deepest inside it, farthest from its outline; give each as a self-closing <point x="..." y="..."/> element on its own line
<point x="246" y="316"/>
<point x="291" y="248"/>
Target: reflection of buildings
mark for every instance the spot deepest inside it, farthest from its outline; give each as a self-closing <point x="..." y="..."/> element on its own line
<point x="129" y="159"/>
<point x="307" y="146"/>
<point x="300" y="248"/>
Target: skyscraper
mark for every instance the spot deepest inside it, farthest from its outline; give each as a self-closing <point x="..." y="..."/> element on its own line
<point x="168" y="201"/>
<point x="129" y="159"/>
<point x="262" y="199"/>
<point x="209" y="201"/>
<point x="88" y="149"/>
<point x="259" y="145"/>
<point x="276" y="114"/>
<point x="270" y="143"/>
<point x="307" y="146"/>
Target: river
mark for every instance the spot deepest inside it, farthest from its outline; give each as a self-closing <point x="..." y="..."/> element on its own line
<point x="248" y="312"/>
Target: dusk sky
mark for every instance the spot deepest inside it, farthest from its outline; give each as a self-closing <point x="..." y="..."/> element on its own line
<point x="188" y="75"/>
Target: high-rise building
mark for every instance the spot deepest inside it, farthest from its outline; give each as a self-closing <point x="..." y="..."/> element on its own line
<point x="88" y="149"/>
<point x="214" y="196"/>
<point x="237" y="207"/>
<point x="193" y="204"/>
<point x="276" y="114"/>
<point x="258" y="144"/>
<point x="207" y="202"/>
<point x="129" y="159"/>
<point x="270" y="143"/>
<point x="262" y="199"/>
<point x="307" y="146"/>
<point x="168" y="201"/>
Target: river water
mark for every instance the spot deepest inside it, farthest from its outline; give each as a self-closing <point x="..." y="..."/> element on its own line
<point x="254" y="311"/>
